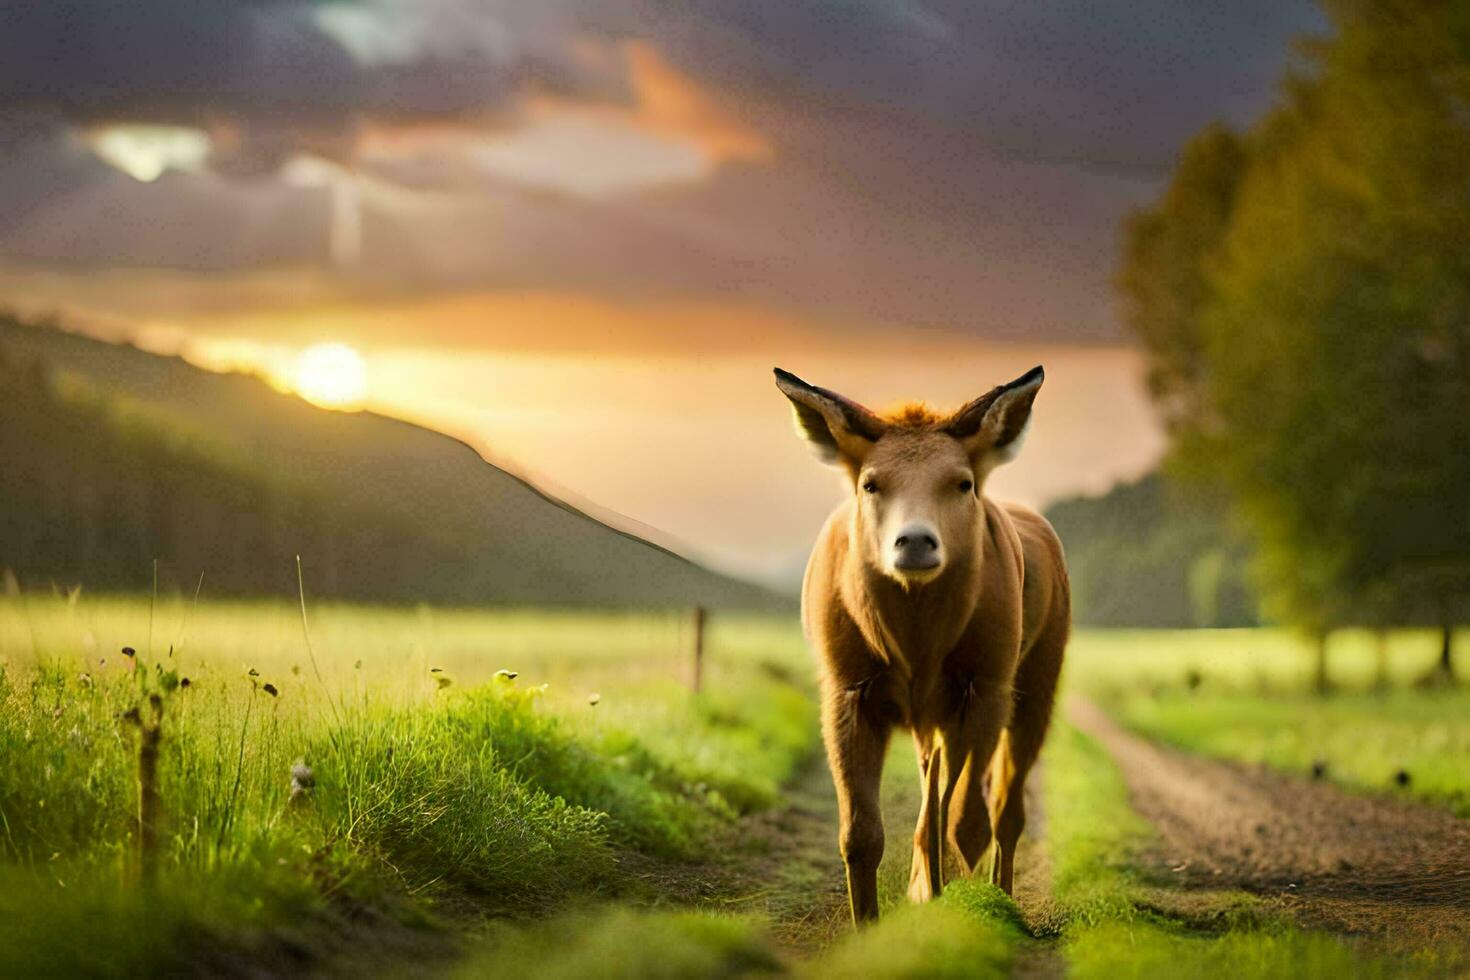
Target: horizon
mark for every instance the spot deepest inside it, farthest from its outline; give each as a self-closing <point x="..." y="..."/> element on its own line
<point x="479" y="205"/>
<point x="753" y="549"/>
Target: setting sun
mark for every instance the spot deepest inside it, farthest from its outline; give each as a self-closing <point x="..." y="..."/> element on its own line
<point x="331" y="375"/>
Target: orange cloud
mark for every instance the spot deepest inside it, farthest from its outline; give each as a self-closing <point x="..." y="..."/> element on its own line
<point x="665" y="104"/>
<point x="674" y="104"/>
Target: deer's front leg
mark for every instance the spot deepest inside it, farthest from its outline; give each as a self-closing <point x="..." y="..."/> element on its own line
<point x="857" y="739"/>
<point x="925" y="873"/>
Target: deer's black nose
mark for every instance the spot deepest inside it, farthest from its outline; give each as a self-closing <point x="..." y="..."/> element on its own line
<point x="916" y="549"/>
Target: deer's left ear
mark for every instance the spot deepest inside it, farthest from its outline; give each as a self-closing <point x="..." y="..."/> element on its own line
<point x="993" y="426"/>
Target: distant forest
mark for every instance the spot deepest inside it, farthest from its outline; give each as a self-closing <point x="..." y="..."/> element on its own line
<point x="1150" y="553"/>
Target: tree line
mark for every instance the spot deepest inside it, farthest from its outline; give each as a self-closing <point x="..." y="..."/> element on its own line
<point x="1302" y="290"/>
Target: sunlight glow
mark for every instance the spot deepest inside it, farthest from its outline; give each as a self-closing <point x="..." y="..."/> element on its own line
<point x="331" y="376"/>
<point x="145" y="153"/>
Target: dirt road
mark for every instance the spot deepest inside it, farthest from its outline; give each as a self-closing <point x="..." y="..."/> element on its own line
<point x="1348" y="863"/>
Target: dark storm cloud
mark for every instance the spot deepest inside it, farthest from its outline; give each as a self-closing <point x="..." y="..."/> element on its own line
<point x="958" y="162"/>
<point x="180" y="60"/>
<point x="94" y="58"/>
<point x="1111" y="85"/>
<point x="1106" y="85"/>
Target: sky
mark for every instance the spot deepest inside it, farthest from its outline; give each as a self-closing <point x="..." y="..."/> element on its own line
<point x="580" y="234"/>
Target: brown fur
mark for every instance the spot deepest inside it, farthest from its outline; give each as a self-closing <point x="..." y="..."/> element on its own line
<point x="913" y="415"/>
<point x="966" y="660"/>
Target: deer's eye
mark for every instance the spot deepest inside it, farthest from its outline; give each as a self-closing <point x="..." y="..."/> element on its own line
<point x="869" y="486"/>
<point x="966" y="486"/>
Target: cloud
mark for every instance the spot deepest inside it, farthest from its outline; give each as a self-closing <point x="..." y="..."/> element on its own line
<point x="961" y="163"/>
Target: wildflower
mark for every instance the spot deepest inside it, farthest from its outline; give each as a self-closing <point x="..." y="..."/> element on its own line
<point x="129" y="652"/>
<point x="302" y="780"/>
<point x="506" y="675"/>
<point x="443" y="682"/>
<point x="594" y="698"/>
<point x="184" y="682"/>
<point x="253" y="672"/>
<point x="436" y="670"/>
<point x="270" y="689"/>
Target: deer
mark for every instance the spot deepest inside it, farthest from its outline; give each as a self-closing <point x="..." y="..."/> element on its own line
<point x="932" y="608"/>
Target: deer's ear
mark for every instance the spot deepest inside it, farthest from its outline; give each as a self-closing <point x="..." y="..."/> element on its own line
<point x="839" y="431"/>
<point x="993" y="426"/>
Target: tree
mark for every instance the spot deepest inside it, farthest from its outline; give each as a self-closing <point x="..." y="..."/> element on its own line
<point x="1168" y="251"/>
<point x="1329" y="326"/>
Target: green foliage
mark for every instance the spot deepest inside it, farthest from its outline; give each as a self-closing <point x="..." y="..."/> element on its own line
<point x="1151" y="554"/>
<point x="1310" y="295"/>
<point x="1167" y="254"/>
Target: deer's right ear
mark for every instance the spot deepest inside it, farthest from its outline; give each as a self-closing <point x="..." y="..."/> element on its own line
<point x="838" y="430"/>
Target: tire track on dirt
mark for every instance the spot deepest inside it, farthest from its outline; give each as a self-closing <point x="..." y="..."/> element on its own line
<point x="1352" y="864"/>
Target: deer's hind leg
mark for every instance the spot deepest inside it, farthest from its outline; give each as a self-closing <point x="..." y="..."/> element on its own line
<point x="1019" y="745"/>
<point x="966" y="746"/>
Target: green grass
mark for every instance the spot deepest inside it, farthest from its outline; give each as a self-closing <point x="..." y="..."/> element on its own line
<point x="966" y="933"/>
<point x="625" y="943"/>
<point x="1250" y="700"/>
<point x="1364" y="741"/>
<point x="540" y="818"/>
<point x="1112" y="922"/>
<point x="433" y="779"/>
<point x="1248" y="661"/>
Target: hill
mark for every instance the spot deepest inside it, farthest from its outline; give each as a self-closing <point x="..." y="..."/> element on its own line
<point x="1149" y="553"/>
<point x="115" y="457"/>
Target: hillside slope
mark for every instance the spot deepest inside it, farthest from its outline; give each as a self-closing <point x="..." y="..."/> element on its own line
<point x="115" y="457"/>
<point x="1151" y="554"/>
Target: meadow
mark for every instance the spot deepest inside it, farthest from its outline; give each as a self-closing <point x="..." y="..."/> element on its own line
<point x="390" y="763"/>
<point x="480" y="790"/>
<point x="1246" y="695"/>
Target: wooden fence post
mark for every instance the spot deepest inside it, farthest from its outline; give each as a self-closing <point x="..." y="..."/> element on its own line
<point x="150" y="732"/>
<point x="698" y="648"/>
